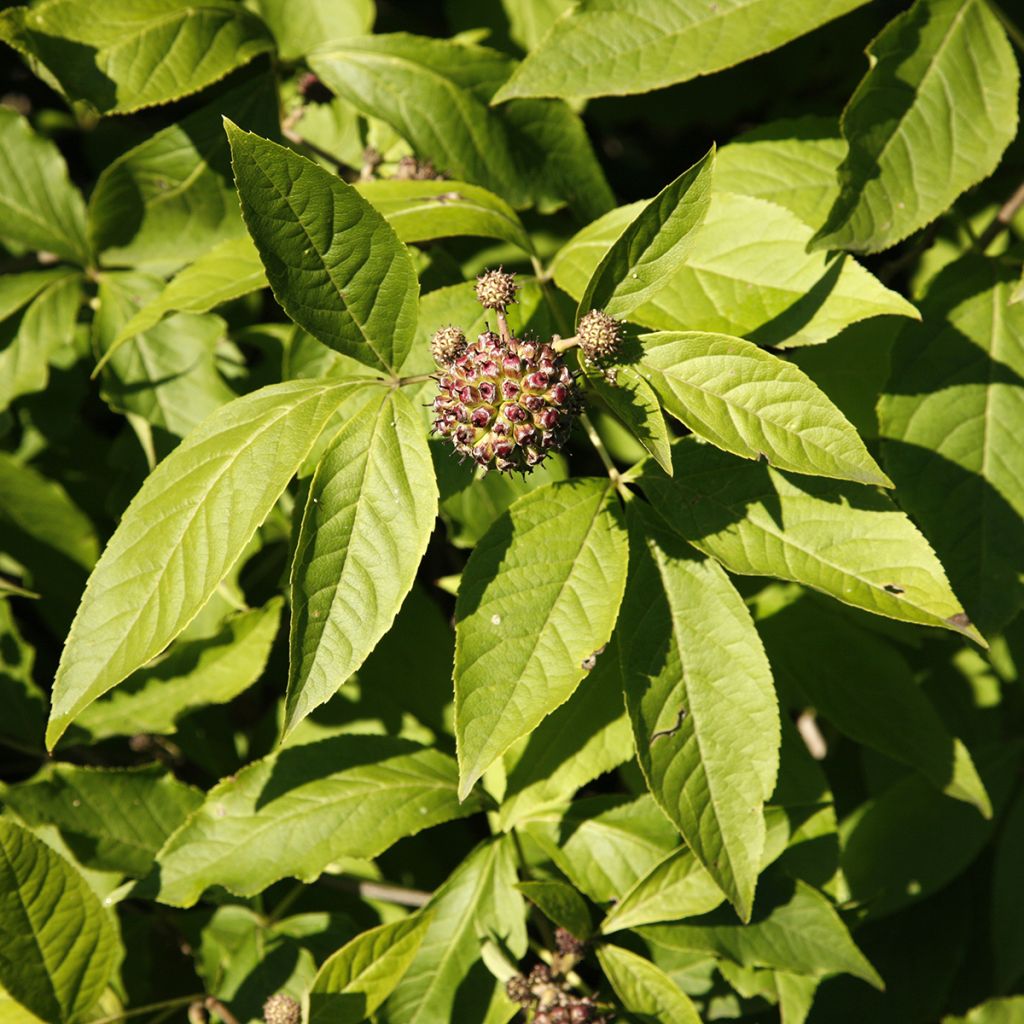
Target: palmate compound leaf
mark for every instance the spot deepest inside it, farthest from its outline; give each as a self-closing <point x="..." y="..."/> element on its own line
<point x="751" y="403"/>
<point x="618" y="47"/>
<point x="951" y="418"/>
<point x="294" y="812"/>
<point x="843" y="539"/>
<point x="370" y="513"/>
<point x="700" y="695"/>
<point x="653" y="246"/>
<point x="182" y="533"/>
<point x="123" y="55"/>
<point x="333" y="262"/>
<point x="930" y="119"/>
<point x="58" y="945"/>
<point x="748" y="274"/>
<point x="356" y="979"/>
<point x="539" y="595"/>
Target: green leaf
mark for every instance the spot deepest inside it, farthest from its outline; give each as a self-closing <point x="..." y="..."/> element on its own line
<point x="1017" y="295"/>
<point x="1007" y="905"/>
<point x="41" y="208"/>
<point x="527" y="152"/>
<point x="796" y="996"/>
<point x="446" y="980"/>
<point x="356" y="979"/>
<point x="17" y="290"/>
<point x="618" y="47"/>
<point x="950" y="418"/>
<point x="561" y="904"/>
<point x="791" y="162"/>
<point x="751" y="403"/>
<point x="911" y="841"/>
<point x="170" y="199"/>
<point x="112" y="819"/>
<point x="29" y="340"/>
<point x="870" y="694"/>
<point x="160" y="567"/>
<point x="847" y="541"/>
<point x="653" y="246"/>
<point x="195" y="673"/>
<point x="334" y="263"/>
<point x="587" y="736"/>
<point x="226" y="272"/>
<point x="605" y="845"/>
<point x="24" y="704"/>
<point x="169" y="375"/>
<point x="420" y="211"/>
<point x="930" y="119"/>
<point x="769" y="290"/>
<point x="649" y="994"/>
<point x="539" y="595"/>
<point x="677" y="887"/>
<point x="706" y="727"/>
<point x="995" y="1011"/>
<point x="370" y="513"/>
<point x="292" y="813"/>
<point x="633" y="402"/>
<point x="795" y="929"/>
<point x="320" y="23"/>
<point x="58" y="946"/>
<point x="123" y="55"/>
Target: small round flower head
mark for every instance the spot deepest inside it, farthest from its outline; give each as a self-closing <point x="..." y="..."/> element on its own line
<point x="282" y="1009"/>
<point x="567" y="943"/>
<point x="495" y="289"/>
<point x="447" y="344"/>
<point x="518" y="990"/>
<point x="599" y="335"/>
<point x="411" y="169"/>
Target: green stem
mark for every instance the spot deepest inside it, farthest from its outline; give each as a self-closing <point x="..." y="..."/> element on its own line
<point x="1002" y="219"/>
<point x="138" y="1011"/>
<point x="595" y="440"/>
<point x="419" y="378"/>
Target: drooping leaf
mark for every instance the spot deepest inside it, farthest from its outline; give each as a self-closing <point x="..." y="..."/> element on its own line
<point x="751" y="403"/>
<point x="31" y="338"/>
<point x="950" y="418"/>
<point x="796" y="929"/>
<point x="619" y="47"/>
<point x="123" y="55"/>
<point x="420" y="211"/>
<point x="531" y="151"/>
<point x="446" y="980"/>
<point x="653" y="246"/>
<point x="791" y="162"/>
<point x="40" y="207"/>
<point x="649" y="994"/>
<point x="605" y="845"/>
<point x="58" y="945"/>
<point x="209" y="670"/>
<point x="168" y="375"/>
<point x="226" y="272"/>
<point x="171" y="198"/>
<point x="560" y="903"/>
<point x="539" y="596"/>
<point x="587" y="736"/>
<point x="1007" y="928"/>
<point x="113" y="820"/>
<point x="700" y="696"/>
<point x="869" y="694"/>
<point x="677" y="887"/>
<point x="320" y="23"/>
<point x="182" y="533"/>
<point x="769" y="290"/>
<point x="293" y="812"/>
<point x="356" y="979"/>
<point x="930" y="119"/>
<point x="370" y="513"/>
<point x="334" y="263"/>
<point x="845" y="540"/>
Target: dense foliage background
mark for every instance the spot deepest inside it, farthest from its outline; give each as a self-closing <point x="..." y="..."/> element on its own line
<point x="728" y="688"/>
